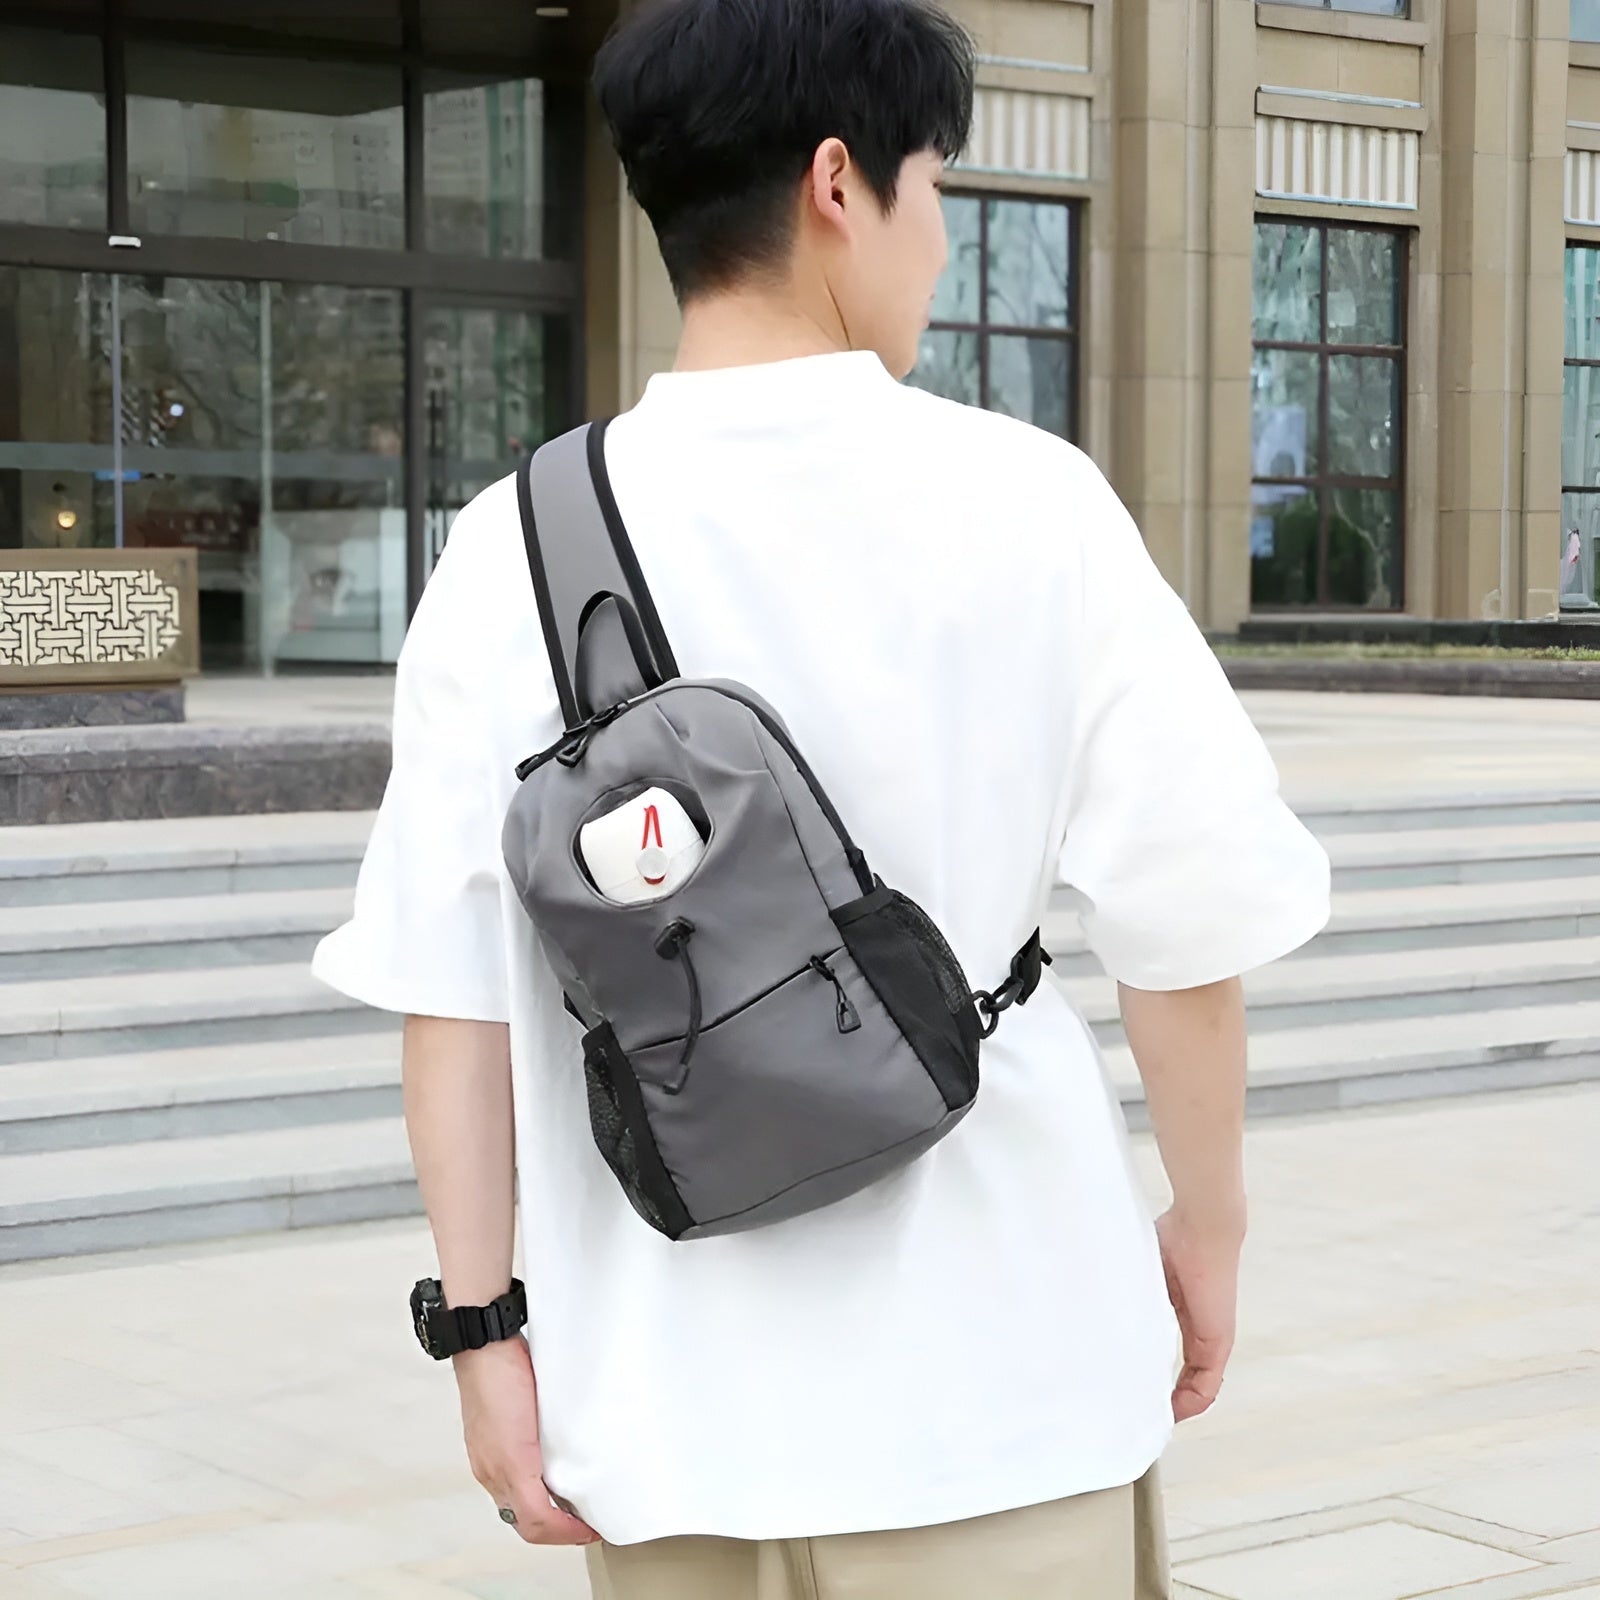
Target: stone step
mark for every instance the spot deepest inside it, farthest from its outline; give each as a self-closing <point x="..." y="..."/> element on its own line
<point x="1361" y="814"/>
<point x="180" y="1094"/>
<point x="1317" y="991"/>
<point x="224" y="930"/>
<point x="73" y="1201"/>
<point x="1404" y="858"/>
<point x="1354" y="1064"/>
<point x="76" y="1202"/>
<point x="1429" y="916"/>
<point x="101" y="861"/>
<point x="64" y="1018"/>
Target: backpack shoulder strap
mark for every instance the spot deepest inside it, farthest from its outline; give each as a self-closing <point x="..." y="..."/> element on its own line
<point x="600" y="623"/>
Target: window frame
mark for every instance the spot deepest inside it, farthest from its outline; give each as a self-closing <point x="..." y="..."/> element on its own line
<point x="1323" y="483"/>
<point x="983" y="330"/>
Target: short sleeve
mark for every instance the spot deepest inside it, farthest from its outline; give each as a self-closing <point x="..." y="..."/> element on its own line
<point x="428" y="936"/>
<point x="1188" y="866"/>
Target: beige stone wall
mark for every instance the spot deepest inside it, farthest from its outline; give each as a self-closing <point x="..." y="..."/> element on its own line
<point x="1470" y="99"/>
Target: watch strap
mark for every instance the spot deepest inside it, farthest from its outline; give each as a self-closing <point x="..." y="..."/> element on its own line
<point x="476" y="1326"/>
<point x="445" y="1331"/>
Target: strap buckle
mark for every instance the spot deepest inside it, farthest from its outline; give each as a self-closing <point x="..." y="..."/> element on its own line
<point x="1027" y="972"/>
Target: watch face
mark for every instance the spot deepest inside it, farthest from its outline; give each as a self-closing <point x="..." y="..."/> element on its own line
<point x="425" y="1299"/>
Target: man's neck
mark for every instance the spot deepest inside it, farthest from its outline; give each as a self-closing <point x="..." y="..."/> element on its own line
<point x="749" y="327"/>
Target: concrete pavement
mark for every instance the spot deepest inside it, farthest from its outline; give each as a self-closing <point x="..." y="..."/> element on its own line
<point x="1415" y="1407"/>
<point x="1328" y="746"/>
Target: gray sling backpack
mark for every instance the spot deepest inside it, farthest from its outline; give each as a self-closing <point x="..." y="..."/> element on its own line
<point x="781" y="1029"/>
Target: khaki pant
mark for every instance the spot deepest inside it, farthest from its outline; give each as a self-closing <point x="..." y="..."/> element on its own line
<point x="1105" y="1546"/>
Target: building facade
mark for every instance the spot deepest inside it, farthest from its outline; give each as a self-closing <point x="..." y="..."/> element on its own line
<point x="1316" y="283"/>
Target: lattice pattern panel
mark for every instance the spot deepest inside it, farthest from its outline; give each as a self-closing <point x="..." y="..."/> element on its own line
<point x="89" y="617"/>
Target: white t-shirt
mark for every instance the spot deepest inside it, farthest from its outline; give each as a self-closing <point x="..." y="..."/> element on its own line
<point x="959" y="623"/>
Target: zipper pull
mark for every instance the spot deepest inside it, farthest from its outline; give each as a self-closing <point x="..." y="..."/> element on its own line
<point x="849" y="1017"/>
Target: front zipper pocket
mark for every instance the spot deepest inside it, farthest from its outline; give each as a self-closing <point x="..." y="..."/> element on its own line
<point x="699" y="1034"/>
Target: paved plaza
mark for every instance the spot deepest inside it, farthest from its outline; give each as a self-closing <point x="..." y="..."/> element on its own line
<point x="1414" y="1409"/>
<point x="1415" y="1406"/>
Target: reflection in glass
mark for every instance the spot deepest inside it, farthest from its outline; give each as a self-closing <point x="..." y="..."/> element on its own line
<point x="1288" y="282"/>
<point x="1030" y="264"/>
<point x="1284" y="414"/>
<point x="1031" y="379"/>
<point x="1285" y="527"/>
<point x="55" y="409"/>
<point x="1363" y="402"/>
<point x="1586" y="21"/>
<point x="308" y="153"/>
<point x="333" y="553"/>
<point x="1580" y="427"/>
<point x="261" y="426"/>
<point x="957" y="297"/>
<point x="1363" y="548"/>
<point x="497" y="387"/>
<point x="52" y="130"/>
<point x="947" y="364"/>
<point x="1002" y="333"/>
<point x="1583" y="303"/>
<point x="1580" y="528"/>
<point x="1363" y="287"/>
<point x="485" y="166"/>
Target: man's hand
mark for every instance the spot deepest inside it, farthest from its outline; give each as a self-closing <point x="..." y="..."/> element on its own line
<point x="1202" y="1267"/>
<point x="500" y="1417"/>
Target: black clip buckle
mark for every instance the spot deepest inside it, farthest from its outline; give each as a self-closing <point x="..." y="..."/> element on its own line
<point x="1027" y="972"/>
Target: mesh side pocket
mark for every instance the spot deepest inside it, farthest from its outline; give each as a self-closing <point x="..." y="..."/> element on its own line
<point x="932" y="946"/>
<point x="916" y="975"/>
<point x="616" y="1118"/>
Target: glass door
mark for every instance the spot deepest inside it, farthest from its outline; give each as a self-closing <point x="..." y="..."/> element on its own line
<point x="259" y="424"/>
<point x="499" y="382"/>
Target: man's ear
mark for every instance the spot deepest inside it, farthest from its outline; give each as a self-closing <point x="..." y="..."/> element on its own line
<point x="826" y="189"/>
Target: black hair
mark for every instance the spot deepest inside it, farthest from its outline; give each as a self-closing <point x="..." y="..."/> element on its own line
<point x="717" y="108"/>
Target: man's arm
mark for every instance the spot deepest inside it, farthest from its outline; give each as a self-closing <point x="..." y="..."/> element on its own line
<point x="1189" y="1047"/>
<point x="457" y="1078"/>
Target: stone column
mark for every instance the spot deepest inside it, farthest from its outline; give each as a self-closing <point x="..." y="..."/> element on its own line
<point x="1504" y="136"/>
<point x="1184" y="119"/>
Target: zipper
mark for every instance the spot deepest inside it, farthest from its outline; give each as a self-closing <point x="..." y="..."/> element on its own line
<point x="849" y="1017"/>
<point x="573" y="745"/>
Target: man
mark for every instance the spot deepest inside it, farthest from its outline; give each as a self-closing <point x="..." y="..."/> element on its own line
<point x="956" y="1384"/>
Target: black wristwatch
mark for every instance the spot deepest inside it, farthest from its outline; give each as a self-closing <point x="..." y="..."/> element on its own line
<point x="444" y="1331"/>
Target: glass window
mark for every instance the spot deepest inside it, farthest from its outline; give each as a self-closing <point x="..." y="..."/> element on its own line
<point x="55" y="409"/>
<point x="496" y="170"/>
<point x="248" y="147"/>
<point x="1288" y="282"/>
<point x="1003" y="332"/>
<point x="1580" y="431"/>
<point x="1327" y="395"/>
<point x="498" y="386"/>
<point x="1586" y="21"/>
<point x="1371" y="8"/>
<point x="52" y="130"/>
